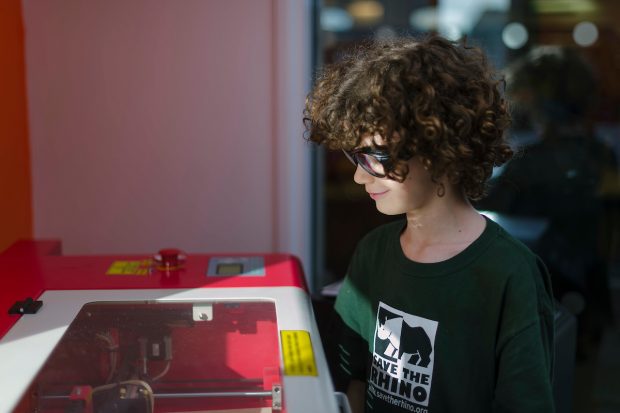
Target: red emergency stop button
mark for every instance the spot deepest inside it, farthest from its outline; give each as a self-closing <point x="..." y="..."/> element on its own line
<point x="170" y="259"/>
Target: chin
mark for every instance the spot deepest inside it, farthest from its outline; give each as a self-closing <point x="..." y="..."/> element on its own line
<point x="387" y="210"/>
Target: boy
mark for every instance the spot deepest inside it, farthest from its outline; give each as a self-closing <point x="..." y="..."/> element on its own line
<point x="443" y="311"/>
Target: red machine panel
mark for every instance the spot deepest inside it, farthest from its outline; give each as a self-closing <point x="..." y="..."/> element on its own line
<point x="168" y="332"/>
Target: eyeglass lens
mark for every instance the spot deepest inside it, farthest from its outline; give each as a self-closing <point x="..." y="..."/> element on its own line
<point x="370" y="164"/>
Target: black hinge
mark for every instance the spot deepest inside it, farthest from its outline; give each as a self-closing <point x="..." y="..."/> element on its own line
<point x="28" y="306"/>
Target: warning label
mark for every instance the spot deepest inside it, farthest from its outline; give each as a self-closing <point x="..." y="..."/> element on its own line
<point x="142" y="267"/>
<point x="297" y="353"/>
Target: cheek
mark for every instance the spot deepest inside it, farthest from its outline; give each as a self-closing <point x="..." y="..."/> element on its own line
<point x="399" y="201"/>
<point x="419" y="180"/>
<point x="414" y="192"/>
<point x="409" y="189"/>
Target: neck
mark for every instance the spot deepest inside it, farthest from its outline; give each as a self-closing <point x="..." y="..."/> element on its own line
<point x="447" y="220"/>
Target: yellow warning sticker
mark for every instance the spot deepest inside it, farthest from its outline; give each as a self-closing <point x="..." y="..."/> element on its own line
<point x="142" y="267"/>
<point x="297" y="353"/>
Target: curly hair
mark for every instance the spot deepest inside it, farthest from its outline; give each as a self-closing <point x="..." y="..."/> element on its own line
<point x="428" y="97"/>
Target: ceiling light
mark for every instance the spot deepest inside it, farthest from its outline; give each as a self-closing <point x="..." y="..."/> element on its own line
<point x="514" y="35"/>
<point x="366" y="12"/>
<point x="585" y="34"/>
<point x="565" y="6"/>
<point x="335" y="19"/>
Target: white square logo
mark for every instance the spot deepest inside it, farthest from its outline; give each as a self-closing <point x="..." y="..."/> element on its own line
<point x="403" y="357"/>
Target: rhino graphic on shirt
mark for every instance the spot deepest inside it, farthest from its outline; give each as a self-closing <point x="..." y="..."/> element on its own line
<point x="403" y="358"/>
<point x="404" y="339"/>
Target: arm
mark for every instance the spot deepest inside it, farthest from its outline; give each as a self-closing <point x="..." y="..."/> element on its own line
<point x="356" y="393"/>
<point x="525" y="350"/>
<point x="350" y="373"/>
<point x="523" y="379"/>
<point x="352" y="347"/>
<point x="351" y="350"/>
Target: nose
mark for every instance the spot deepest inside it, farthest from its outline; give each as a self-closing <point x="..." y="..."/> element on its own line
<point x="361" y="176"/>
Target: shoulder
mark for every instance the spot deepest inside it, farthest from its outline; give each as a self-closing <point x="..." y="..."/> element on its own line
<point x="507" y="263"/>
<point x="373" y="249"/>
<point x="379" y="241"/>
<point x="352" y="303"/>
<point x="522" y="271"/>
<point x="507" y="248"/>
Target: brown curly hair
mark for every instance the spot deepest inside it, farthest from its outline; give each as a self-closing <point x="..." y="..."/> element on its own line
<point x="426" y="97"/>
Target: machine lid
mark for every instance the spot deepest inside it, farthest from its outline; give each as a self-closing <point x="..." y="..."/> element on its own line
<point x="164" y="356"/>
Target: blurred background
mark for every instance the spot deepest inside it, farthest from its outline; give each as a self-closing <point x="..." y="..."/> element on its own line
<point x="560" y="194"/>
<point x="127" y="126"/>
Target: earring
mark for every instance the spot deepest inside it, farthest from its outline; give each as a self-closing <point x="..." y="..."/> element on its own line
<point x="441" y="190"/>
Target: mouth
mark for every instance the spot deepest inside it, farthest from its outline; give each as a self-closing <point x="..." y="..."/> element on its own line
<point x="377" y="195"/>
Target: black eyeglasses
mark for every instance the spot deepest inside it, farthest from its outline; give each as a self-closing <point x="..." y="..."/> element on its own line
<point x="376" y="163"/>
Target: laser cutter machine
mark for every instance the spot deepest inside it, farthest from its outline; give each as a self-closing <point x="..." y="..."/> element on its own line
<point x="164" y="333"/>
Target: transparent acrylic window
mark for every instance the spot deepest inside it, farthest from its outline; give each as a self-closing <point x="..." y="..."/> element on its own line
<point x="150" y="356"/>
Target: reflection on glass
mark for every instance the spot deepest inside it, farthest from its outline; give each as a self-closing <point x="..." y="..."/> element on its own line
<point x="162" y="356"/>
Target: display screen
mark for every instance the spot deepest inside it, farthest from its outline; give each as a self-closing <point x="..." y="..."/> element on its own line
<point x="240" y="266"/>
<point x="229" y="268"/>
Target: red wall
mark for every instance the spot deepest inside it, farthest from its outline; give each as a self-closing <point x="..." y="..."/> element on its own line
<point x="16" y="198"/>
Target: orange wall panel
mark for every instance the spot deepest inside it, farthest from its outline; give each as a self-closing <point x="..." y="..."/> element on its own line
<point x="16" y="198"/>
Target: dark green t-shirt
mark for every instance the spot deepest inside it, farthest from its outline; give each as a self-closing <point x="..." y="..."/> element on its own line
<point x="473" y="333"/>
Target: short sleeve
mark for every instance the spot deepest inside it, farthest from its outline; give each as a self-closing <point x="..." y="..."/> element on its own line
<point x="353" y="295"/>
<point x="352" y="345"/>
<point x="525" y="344"/>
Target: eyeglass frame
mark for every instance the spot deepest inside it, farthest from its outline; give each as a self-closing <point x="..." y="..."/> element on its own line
<point x="381" y="156"/>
